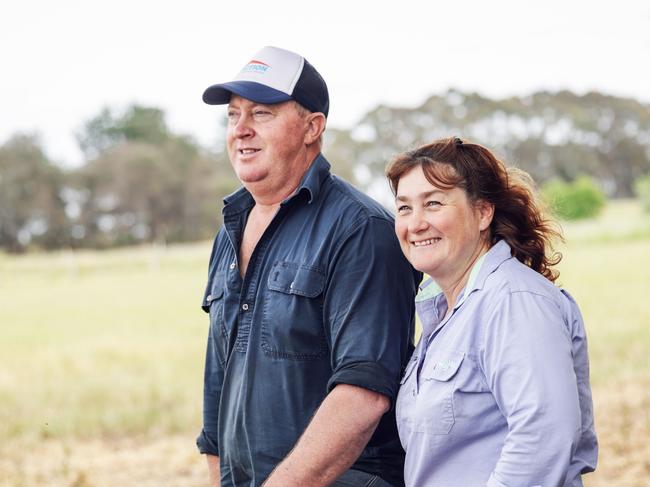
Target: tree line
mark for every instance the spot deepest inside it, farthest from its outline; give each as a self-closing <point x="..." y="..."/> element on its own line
<point x="141" y="182"/>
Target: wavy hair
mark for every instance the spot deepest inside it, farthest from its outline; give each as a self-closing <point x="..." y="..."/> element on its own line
<point x="519" y="216"/>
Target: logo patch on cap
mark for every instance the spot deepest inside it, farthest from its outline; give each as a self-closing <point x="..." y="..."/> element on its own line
<point x="255" y="66"/>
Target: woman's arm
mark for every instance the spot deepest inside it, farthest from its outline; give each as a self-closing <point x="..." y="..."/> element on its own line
<point x="527" y="361"/>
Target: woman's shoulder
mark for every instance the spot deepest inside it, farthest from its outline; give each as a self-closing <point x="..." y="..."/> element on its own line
<point x="512" y="276"/>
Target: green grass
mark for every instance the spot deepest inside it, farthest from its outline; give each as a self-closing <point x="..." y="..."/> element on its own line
<point x="611" y="283"/>
<point x="606" y="267"/>
<point x="101" y="343"/>
<point x="621" y="220"/>
<point x="112" y="343"/>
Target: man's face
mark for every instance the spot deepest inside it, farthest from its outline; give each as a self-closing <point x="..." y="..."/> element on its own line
<point x="266" y="145"/>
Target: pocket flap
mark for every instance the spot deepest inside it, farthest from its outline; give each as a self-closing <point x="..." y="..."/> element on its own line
<point x="216" y="288"/>
<point x="443" y="367"/>
<point x="300" y="279"/>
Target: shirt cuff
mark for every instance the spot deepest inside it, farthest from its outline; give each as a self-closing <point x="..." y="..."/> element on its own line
<point x="368" y="375"/>
<point x="493" y="482"/>
<point x="208" y="443"/>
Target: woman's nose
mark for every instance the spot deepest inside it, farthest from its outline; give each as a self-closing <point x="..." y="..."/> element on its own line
<point x="418" y="223"/>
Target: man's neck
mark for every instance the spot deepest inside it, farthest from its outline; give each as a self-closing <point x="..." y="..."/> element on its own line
<point x="265" y="211"/>
<point x="272" y="197"/>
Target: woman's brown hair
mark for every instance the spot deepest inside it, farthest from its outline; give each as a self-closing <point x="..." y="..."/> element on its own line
<point x="519" y="217"/>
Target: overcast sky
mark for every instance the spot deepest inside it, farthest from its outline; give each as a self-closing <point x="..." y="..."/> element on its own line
<point x="62" y="61"/>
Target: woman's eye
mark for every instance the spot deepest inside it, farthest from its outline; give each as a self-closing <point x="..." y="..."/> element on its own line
<point x="433" y="203"/>
<point x="402" y="209"/>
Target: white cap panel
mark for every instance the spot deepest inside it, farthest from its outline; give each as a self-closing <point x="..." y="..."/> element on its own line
<point x="275" y="68"/>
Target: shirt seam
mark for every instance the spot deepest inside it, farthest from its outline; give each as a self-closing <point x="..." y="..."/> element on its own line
<point x="337" y="184"/>
<point x="496" y="305"/>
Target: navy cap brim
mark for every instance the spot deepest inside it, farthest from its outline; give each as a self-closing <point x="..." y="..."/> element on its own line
<point x="220" y="94"/>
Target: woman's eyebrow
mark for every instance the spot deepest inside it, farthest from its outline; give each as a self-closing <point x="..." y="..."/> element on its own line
<point x="423" y="195"/>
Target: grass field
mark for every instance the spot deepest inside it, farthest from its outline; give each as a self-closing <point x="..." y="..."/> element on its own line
<point x="101" y="358"/>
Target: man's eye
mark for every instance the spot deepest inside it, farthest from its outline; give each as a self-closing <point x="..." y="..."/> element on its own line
<point x="261" y="113"/>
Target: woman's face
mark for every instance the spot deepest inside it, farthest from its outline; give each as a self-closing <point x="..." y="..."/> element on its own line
<point x="439" y="229"/>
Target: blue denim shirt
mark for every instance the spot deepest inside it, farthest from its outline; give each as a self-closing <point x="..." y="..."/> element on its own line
<point x="327" y="299"/>
<point x="498" y="393"/>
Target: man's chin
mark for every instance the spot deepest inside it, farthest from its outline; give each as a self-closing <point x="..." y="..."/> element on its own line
<point x="252" y="177"/>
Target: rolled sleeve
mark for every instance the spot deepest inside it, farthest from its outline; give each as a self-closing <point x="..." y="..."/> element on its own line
<point x="368" y="309"/>
<point x="207" y="443"/>
<point x="528" y="363"/>
<point x="369" y="375"/>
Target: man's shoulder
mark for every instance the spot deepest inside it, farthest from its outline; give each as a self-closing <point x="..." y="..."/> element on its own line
<point x="355" y="201"/>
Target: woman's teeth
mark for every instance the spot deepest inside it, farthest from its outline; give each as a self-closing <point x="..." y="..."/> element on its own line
<point x="423" y="243"/>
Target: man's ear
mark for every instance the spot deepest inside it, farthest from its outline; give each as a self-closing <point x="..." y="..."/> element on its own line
<point x="315" y="127"/>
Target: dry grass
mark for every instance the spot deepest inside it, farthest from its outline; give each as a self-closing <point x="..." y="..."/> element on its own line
<point x="623" y="426"/>
<point x="170" y="461"/>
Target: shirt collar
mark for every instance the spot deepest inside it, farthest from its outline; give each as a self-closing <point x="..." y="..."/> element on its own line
<point x="240" y="200"/>
<point x="313" y="179"/>
<point x="311" y="184"/>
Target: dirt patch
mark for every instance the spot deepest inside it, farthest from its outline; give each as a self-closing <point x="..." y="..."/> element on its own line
<point x="172" y="461"/>
<point x="623" y="428"/>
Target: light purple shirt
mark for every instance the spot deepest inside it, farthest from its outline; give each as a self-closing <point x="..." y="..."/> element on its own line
<point x="498" y="393"/>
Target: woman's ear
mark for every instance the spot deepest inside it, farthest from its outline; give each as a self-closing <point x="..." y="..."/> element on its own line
<point x="485" y="211"/>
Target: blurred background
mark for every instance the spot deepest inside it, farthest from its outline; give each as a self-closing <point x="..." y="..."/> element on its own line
<point x="112" y="173"/>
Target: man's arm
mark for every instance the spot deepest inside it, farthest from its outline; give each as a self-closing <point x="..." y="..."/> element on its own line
<point x="207" y="441"/>
<point x="214" y="470"/>
<point x="336" y="436"/>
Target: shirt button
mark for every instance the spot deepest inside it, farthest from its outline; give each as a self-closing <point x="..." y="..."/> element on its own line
<point x="244" y="307"/>
<point x="232" y="266"/>
<point x="209" y="298"/>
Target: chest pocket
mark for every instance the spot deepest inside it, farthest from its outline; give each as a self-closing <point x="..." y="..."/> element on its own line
<point x="214" y="301"/>
<point x="292" y="324"/>
<point x="433" y="411"/>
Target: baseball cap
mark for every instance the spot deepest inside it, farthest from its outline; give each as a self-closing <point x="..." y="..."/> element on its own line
<point x="274" y="75"/>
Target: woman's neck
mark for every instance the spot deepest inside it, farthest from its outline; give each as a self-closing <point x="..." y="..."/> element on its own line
<point x="454" y="286"/>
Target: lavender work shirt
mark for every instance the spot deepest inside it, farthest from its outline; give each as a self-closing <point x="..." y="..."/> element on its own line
<point x="498" y="393"/>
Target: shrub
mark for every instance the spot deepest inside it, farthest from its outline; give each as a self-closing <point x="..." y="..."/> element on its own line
<point x="582" y="198"/>
<point x="642" y="190"/>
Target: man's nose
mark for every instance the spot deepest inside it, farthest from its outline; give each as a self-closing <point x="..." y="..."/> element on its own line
<point x="243" y="127"/>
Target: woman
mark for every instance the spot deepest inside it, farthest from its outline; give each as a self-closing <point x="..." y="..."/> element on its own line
<point x="497" y="392"/>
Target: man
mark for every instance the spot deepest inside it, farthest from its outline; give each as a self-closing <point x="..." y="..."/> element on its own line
<point x="310" y="300"/>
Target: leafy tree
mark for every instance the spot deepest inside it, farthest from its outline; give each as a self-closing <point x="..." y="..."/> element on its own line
<point x="32" y="210"/>
<point x="573" y="201"/>
<point x="547" y="134"/>
<point x="146" y="183"/>
<point x="137" y="123"/>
